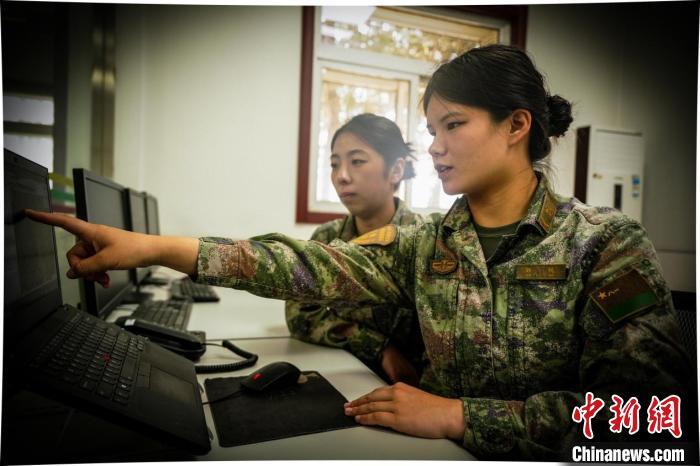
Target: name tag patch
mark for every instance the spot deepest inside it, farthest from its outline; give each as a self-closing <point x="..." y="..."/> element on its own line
<point x="540" y="272"/>
<point x="381" y="236"/>
<point x="625" y="296"/>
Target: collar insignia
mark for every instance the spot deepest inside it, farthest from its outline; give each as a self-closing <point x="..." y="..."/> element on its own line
<point x="381" y="236"/>
<point x="547" y="212"/>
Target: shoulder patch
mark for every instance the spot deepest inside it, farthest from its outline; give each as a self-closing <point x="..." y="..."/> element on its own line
<point x="381" y="236"/>
<point x="624" y="297"/>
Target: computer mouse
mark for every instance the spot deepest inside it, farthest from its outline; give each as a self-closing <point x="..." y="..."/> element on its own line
<point x="273" y="376"/>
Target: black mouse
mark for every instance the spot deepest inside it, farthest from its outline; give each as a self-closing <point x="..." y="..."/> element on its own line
<point x="275" y="375"/>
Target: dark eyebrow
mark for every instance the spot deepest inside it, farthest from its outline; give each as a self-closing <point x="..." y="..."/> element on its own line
<point x="451" y="114"/>
<point x="445" y="117"/>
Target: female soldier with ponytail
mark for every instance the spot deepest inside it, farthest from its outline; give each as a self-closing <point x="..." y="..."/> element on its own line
<point x="369" y="159"/>
<point x="526" y="299"/>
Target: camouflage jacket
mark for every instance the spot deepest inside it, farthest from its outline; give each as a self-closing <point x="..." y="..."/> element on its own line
<point x="574" y="301"/>
<point x="364" y="331"/>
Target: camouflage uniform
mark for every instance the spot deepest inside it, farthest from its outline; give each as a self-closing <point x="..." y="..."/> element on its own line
<point x="519" y="338"/>
<point x="364" y="331"/>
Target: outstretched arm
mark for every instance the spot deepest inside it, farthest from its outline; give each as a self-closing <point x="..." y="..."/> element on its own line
<point x="101" y="248"/>
<point x="280" y="267"/>
<point x="272" y="266"/>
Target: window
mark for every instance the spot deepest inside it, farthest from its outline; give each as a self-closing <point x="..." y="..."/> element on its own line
<point x="28" y="126"/>
<point x="379" y="60"/>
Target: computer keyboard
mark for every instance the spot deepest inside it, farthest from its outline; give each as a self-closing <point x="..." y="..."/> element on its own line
<point x="174" y="313"/>
<point x="197" y="291"/>
<point x="95" y="356"/>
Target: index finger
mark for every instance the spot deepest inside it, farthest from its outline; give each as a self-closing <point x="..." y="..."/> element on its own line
<point x="71" y="224"/>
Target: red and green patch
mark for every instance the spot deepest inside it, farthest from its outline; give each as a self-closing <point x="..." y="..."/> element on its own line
<point x="625" y="296"/>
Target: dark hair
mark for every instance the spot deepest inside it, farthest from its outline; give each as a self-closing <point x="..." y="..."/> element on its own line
<point x="499" y="79"/>
<point x="382" y="135"/>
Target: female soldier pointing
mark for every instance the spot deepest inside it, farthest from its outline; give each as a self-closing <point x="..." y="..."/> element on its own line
<point x="526" y="299"/>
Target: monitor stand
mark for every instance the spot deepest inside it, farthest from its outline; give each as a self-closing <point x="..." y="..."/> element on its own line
<point x="137" y="297"/>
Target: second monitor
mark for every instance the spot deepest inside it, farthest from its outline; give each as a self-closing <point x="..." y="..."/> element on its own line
<point x="100" y="200"/>
<point x="138" y="222"/>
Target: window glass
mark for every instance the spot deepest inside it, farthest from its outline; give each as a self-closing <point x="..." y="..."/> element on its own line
<point x="344" y="95"/>
<point x="400" y="33"/>
<point x="28" y="109"/>
<point x="36" y="148"/>
<point x="378" y="60"/>
<point x="28" y="126"/>
<point x="426" y="189"/>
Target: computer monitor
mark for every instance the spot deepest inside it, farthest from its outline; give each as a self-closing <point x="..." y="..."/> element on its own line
<point x="136" y="204"/>
<point x="152" y="215"/>
<point x="32" y="288"/>
<point x="99" y="200"/>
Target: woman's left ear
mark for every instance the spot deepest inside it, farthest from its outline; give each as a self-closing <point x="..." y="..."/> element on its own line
<point x="520" y="122"/>
<point x="396" y="172"/>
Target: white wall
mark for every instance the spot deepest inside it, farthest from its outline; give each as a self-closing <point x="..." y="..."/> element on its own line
<point x="631" y="66"/>
<point x="207" y="104"/>
<point x="78" y="128"/>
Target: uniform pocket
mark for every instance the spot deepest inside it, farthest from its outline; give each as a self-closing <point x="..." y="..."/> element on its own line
<point x="543" y="343"/>
<point x="436" y="307"/>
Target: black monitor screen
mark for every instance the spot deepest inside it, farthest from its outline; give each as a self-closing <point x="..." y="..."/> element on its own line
<point x="138" y="223"/>
<point x="152" y="215"/>
<point x="32" y="288"/>
<point x="99" y="200"/>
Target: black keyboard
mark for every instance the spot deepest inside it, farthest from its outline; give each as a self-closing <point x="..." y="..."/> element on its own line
<point x="197" y="291"/>
<point x="174" y="313"/>
<point x="93" y="355"/>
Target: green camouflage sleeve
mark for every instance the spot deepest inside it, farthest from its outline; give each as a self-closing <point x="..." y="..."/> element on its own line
<point x="346" y="274"/>
<point x="350" y="329"/>
<point x="326" y="325"/>
<point x="637" y="355"/>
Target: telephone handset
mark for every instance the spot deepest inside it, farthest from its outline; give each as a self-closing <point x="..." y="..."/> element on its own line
<point x="191" y="345"/>
<point x="181" y="342"/>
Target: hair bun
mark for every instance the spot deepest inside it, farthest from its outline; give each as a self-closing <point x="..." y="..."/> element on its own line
<point x="559" y="115"/>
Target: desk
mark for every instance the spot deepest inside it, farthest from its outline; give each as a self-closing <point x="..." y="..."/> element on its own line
<point x="238" y="314"/>
<point x="351" y="378"/>
<point x="258" y="325"/>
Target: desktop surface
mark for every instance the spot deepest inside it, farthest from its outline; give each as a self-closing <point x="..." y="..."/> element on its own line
<point x="352" y="379"/>
<point x="258" y="325"/>
<point x="238" y="314"/>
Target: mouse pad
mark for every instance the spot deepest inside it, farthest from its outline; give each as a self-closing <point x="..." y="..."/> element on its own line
<point x="306" y="408"/>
